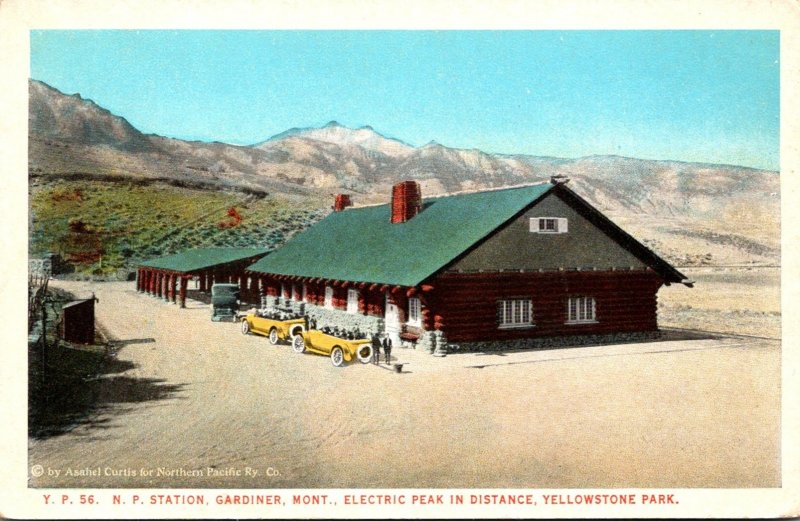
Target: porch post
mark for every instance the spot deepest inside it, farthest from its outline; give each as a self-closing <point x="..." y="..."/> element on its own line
<point x="184" y="282"/>
<point x="172" y="280"/>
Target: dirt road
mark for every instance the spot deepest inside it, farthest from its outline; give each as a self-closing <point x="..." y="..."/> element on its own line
<point x="191" y="403"/>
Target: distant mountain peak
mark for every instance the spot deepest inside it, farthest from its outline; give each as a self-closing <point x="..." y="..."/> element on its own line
<point x="334" y="132"/>
<point x="54" y="114"/>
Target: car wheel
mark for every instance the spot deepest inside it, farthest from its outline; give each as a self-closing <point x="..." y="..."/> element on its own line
<point x="337" y="356"/>
<point x="364" y="354"/>
<point x="298" y="344"/>
<point x="273" y="336"/>
<point x="245" y="327"/>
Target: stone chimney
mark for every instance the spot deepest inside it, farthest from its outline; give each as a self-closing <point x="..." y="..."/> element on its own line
<point x="340" y="202"/>
<point x="406" y="201"/>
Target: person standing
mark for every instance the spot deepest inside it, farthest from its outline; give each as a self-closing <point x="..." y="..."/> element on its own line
<point x="387" y="347"/>
<point x="376" y="348"/>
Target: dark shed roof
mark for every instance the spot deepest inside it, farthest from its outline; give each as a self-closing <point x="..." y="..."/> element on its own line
<point x="204" y="258"/>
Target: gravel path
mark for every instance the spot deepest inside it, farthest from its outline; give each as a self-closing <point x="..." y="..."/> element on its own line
<point x="193" y="403"/>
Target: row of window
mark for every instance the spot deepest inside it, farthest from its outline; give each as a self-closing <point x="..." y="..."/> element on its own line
<point x="511" y="312"/>
<point x="414" y="304"/>
<point x="519" y="312"/>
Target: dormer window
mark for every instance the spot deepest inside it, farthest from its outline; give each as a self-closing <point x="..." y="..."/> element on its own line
<point x="548" y="225"/>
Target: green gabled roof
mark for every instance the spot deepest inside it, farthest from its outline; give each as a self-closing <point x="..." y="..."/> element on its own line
<point x="361" y="244"/>
<point x="202" y="258"/>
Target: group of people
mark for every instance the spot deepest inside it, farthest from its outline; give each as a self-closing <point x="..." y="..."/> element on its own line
<point x="346" y="334"/>
<point x="377" y="344"/>
<point x="277" y="314"/>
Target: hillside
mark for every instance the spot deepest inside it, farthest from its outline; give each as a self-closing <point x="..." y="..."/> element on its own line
<point x="691" y="213"/>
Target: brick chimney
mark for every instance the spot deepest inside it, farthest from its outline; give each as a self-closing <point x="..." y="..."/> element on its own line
<point x="340" y="202"/>
<point x="406" y="201"/>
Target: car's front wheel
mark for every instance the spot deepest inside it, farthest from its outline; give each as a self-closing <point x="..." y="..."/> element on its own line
<point x="273" y="336"/>
<point x="298" y="344"/>
<point x="337" y="356"/>
<point x="245" y="327"/>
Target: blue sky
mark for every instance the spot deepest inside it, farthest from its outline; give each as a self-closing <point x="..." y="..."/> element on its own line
<point x="708" y="96"/>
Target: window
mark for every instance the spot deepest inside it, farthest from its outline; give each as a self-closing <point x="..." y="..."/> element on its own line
<point x="515" y="313"/>
<point x="305" y="292"/>
<point x="352" y="301"/>
<point x="284" y="291"/>
<point x="328" y="297"/>
<point x="414" y="312"/>
<point x="548" y="225"/>
<point x="580" y="310"/>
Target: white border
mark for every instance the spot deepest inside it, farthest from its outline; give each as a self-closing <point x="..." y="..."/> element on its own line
<point x="17" y="17"/>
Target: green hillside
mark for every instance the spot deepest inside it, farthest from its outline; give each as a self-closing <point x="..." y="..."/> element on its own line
<point x="104" y="228"/>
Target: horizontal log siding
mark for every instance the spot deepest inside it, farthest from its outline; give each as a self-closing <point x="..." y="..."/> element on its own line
<point x="466" y="303"/>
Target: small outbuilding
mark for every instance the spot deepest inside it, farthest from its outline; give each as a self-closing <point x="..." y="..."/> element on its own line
<point x="168" y="277"/>
<point x="493" y="266"/>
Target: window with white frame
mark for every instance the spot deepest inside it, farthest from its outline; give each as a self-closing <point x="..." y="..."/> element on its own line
<point x="352" y="301"/>
<point x="414" y="312"/>
<point x="516" y="312"/>
<point x="305" y="292"/>
<point x="284" y="291"/>
<point x="549" y="225"/>
<point x="328" y="297"/>
<point x="580" y="310"/>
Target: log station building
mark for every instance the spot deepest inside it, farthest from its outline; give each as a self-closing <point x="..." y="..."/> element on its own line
<point x="168" y="277"/>
<point x="492" y="266"/>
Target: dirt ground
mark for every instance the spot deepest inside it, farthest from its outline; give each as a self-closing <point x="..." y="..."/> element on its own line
<point x="189" y="403"/>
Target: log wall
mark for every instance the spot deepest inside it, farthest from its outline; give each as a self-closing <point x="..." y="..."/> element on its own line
<point x="464" y="305"/>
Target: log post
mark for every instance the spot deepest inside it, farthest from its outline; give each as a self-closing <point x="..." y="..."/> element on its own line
<point x="167" y="278"/>
<point x="184" y="283"/>
<point x="173" y="279"/>
<point x="362" y="302"/>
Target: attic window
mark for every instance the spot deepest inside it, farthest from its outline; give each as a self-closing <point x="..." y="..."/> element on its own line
<point x="548" y="225"/>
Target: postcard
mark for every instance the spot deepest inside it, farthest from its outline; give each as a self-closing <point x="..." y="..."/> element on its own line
<point x="373" y="259"/>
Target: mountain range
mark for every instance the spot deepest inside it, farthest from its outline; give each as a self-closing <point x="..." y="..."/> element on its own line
<point x="690" y="212"/>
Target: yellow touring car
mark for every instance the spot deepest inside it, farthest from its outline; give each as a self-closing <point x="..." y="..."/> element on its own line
<point x="273" y="327"/>
<point x="339" y="349"/>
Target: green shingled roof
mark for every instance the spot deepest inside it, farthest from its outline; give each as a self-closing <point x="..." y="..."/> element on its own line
<point x="202" y="258"/>
<point x="361" y="245"/>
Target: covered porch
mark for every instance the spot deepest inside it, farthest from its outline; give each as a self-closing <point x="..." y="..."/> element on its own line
<point x="168" y="277"/>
